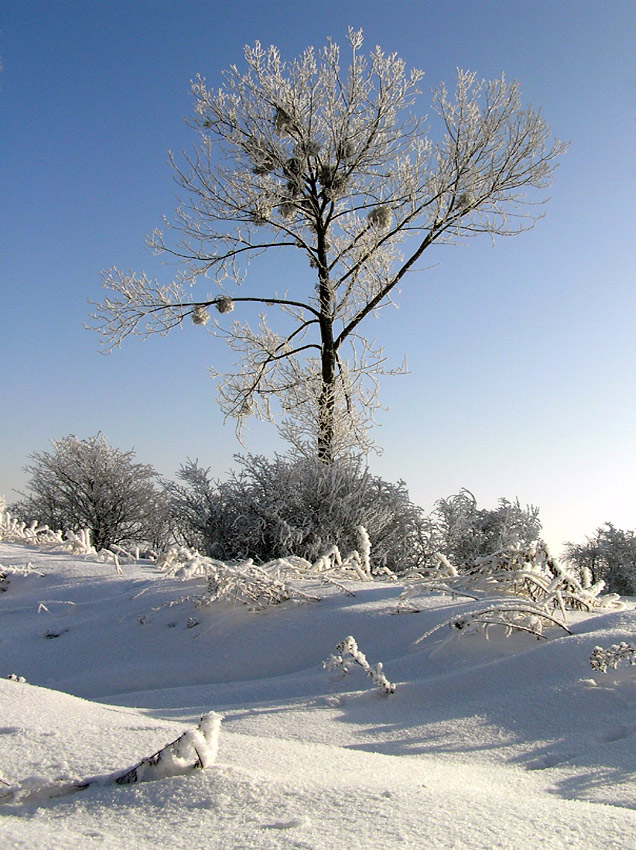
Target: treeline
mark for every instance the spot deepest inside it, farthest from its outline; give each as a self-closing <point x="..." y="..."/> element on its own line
<point x="269" y="509"/>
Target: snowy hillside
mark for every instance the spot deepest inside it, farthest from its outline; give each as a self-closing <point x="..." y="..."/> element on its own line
<point x="508" y="743"/>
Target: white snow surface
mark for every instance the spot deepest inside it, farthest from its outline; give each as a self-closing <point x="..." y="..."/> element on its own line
<point x="509" y="743"/>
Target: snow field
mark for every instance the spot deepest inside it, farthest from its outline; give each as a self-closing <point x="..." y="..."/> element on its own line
<point x="508" y="743"/>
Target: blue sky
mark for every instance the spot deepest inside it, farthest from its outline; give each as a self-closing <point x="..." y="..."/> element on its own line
<point x="522" y="356"/>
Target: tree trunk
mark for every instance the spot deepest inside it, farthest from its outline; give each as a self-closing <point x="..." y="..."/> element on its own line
<point x="326" y="417"/>
<point x="327" y="397"/>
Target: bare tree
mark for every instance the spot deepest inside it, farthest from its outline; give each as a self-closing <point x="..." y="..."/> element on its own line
<point x="88" y="484"/>
<point x="301" y="157"/>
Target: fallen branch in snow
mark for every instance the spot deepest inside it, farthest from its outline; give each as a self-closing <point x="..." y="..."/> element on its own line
<point x="260" y="587"/>
<point x="196" y="749"/>
<point x="602" y="659"/>
<point x="349" y="647"/>
<point x="247" y="584"/>
<point x="509" y="615"/>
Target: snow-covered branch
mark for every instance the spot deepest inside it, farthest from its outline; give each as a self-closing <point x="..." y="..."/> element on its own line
<point x="195" y="749"/>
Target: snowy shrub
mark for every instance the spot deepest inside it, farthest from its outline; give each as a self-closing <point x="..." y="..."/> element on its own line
<point x="519" y="589"/>
<point x="602" y="659"/>
<point x="350" y="647"/>
<point x="609" y="556"/>
<point x="522" y="571"/>
<point x="272" y="509"/>
<point x="465" y="532"/>
<point x="15" y="530"/>
<point x="86" y="484"/>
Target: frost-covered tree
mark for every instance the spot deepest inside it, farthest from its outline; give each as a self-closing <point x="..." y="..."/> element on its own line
<point x="466" y="532"/>
<point x="610" y="556"/>
<point x="309" y="157"/>
<point x="87" y="484"/>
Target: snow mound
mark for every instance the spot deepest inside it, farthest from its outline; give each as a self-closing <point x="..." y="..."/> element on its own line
<point x="506" y="743"/>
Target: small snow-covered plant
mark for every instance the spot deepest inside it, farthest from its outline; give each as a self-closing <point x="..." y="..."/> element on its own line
<point x="519" y="589"/>
<point x="365" y="549"/>
<point x="602" y="659"/>
<point x="8" y="572"/>
<point x="14" y="530"/>
<point x="357" y="564"/>
<point x="261" y="586"/>
<point x="349" y="647"/>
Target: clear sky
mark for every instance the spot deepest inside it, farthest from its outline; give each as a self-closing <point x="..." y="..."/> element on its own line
<point x="522" y="356"/>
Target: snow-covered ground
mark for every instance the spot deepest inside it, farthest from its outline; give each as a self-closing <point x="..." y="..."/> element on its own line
<point x="510" y="743"/>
